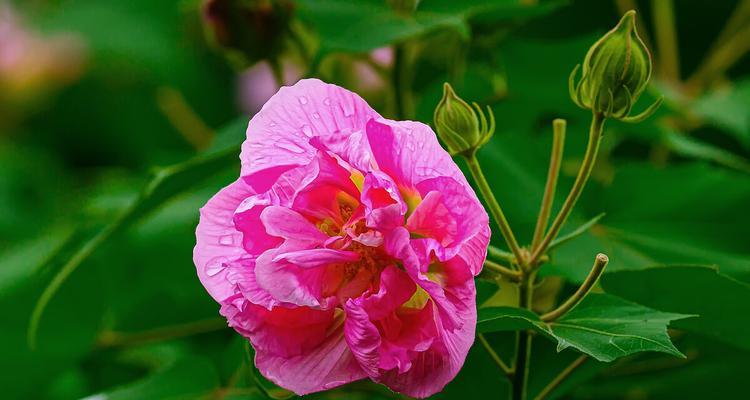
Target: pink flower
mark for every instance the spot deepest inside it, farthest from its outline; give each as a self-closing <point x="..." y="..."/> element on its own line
<point x="347" y="248"/>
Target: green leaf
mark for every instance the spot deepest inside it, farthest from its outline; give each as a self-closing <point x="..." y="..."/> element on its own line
<point x="607" y="327"/>
<point x="499" y="319"/>
<point x="692" y="147"/>
<point x="360" y="26"/>
<point x="727" y="108"/>
<point x="720" y="301"/>
<point x="366" y="25"/>
<point x="166" y="183"/>
<point x="603" y="326"/>
<point x="683" y="214"/>
<point x="187" y="377"/>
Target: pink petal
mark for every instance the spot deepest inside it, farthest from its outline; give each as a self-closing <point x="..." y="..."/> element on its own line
<point x="327" y="366"/>
<point x="384" y="208"/>
<point x="456" y="320"/>
<point x="409" y="152"/>
<point x="290" y="283"/>
<point x="288" y="224"/>
<point x="300" y="349"/>
<point x="218" y="242"/>
<point x="316" y="257"/>
<point x="449" y="213"/>
<point x="279" y="134"/>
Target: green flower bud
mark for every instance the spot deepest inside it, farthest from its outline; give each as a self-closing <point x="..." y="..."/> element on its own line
<point x="462" y="129"/>
<point x="616" y="70"/>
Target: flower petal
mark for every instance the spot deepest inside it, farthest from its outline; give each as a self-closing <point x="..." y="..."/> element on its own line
<point x="448" y="213"/>
<point x="409" y="152"/>
<point x="300" y="349"/>
<point x="289" y="224"/>
<point x="279" y="134"/>
<point x="316" y="257"/>
<point x="218" y="243"/>
<point x="455" y="319"/>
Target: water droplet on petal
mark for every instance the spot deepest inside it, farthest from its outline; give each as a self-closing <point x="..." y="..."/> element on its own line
<point x="307" y="130"/>
<point x="216" y="265"/>
<point x="316" y="115"/>
<point x="327" y="101"/>
<point x="226" y="240"/>
<point x="302" y="100"/>
<point x="271" y="123"/>
<point x="347" y="108"/>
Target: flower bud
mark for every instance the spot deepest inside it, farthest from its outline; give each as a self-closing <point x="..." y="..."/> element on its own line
<point x="253" y="30"/>
<point x="462" y="129"/>
<point x="616" y="70"/>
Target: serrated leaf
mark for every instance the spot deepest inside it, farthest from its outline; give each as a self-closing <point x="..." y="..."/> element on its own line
<point x="603" y="326"/>
<point x="720" y="301"/>
<point x="607" y="327"/>
<point x="499" y="319"/>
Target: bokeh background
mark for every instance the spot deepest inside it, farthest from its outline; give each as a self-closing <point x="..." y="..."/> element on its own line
<point x="119" y="119"/>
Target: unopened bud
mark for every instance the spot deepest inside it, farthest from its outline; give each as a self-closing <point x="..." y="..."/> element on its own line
<point x="616" y="70"/>
<point x="461" y="127"/>
<point x="253" y="29"/>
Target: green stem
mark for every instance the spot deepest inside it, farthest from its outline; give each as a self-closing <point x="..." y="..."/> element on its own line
<point x="595" y="136"/>
<point x="596" y="271"/>
<point x="277" y="70"/>
<point x="555" y="383"/>
<point x="558" y="144"/>
<point x="523" y="350"/>
<point x="666" y="39"/>
<point x="499" y="361"/>
<point x="500" y="254"/>
<point x="401" y="82"/>
<point x="494" y="206"/>
<point x="117" y="339"/>
<point x="513" y="275"/>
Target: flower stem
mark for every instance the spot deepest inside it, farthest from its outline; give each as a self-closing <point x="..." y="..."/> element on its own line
<point x="558" y="144"/>
<point x="555" y="383"/>
<point x="401" y="80"/>
<point x="596" y="271"/>
<point x="494" y="206"/>
<point x="666" y="39"/>
<point x="514" y="276"/>
<point x="523" y="349"/>
<point x="499" y="361"/>
<point x="595" y="136"/>
<point x="116" y="339"/>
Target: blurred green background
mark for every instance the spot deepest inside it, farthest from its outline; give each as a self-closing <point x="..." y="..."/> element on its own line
<point x="119" y="119"/>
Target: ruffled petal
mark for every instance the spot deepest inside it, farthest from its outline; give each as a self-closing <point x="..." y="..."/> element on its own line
<point x="455" y="320"/>
<point x="316" y="257"/>
<point x="290" y="283"/>
<point x="290" y="225"/>
<point x="409" y="152"/>
<point x="384" y="207"/>
<point x="279" y="134"/>
<point x="300" y="349"/>
<point x="218" y="242"/>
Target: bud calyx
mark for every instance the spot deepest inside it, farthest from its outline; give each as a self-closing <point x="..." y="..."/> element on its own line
<point x="462" y="128"/>
<point x="615" y="72"/>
